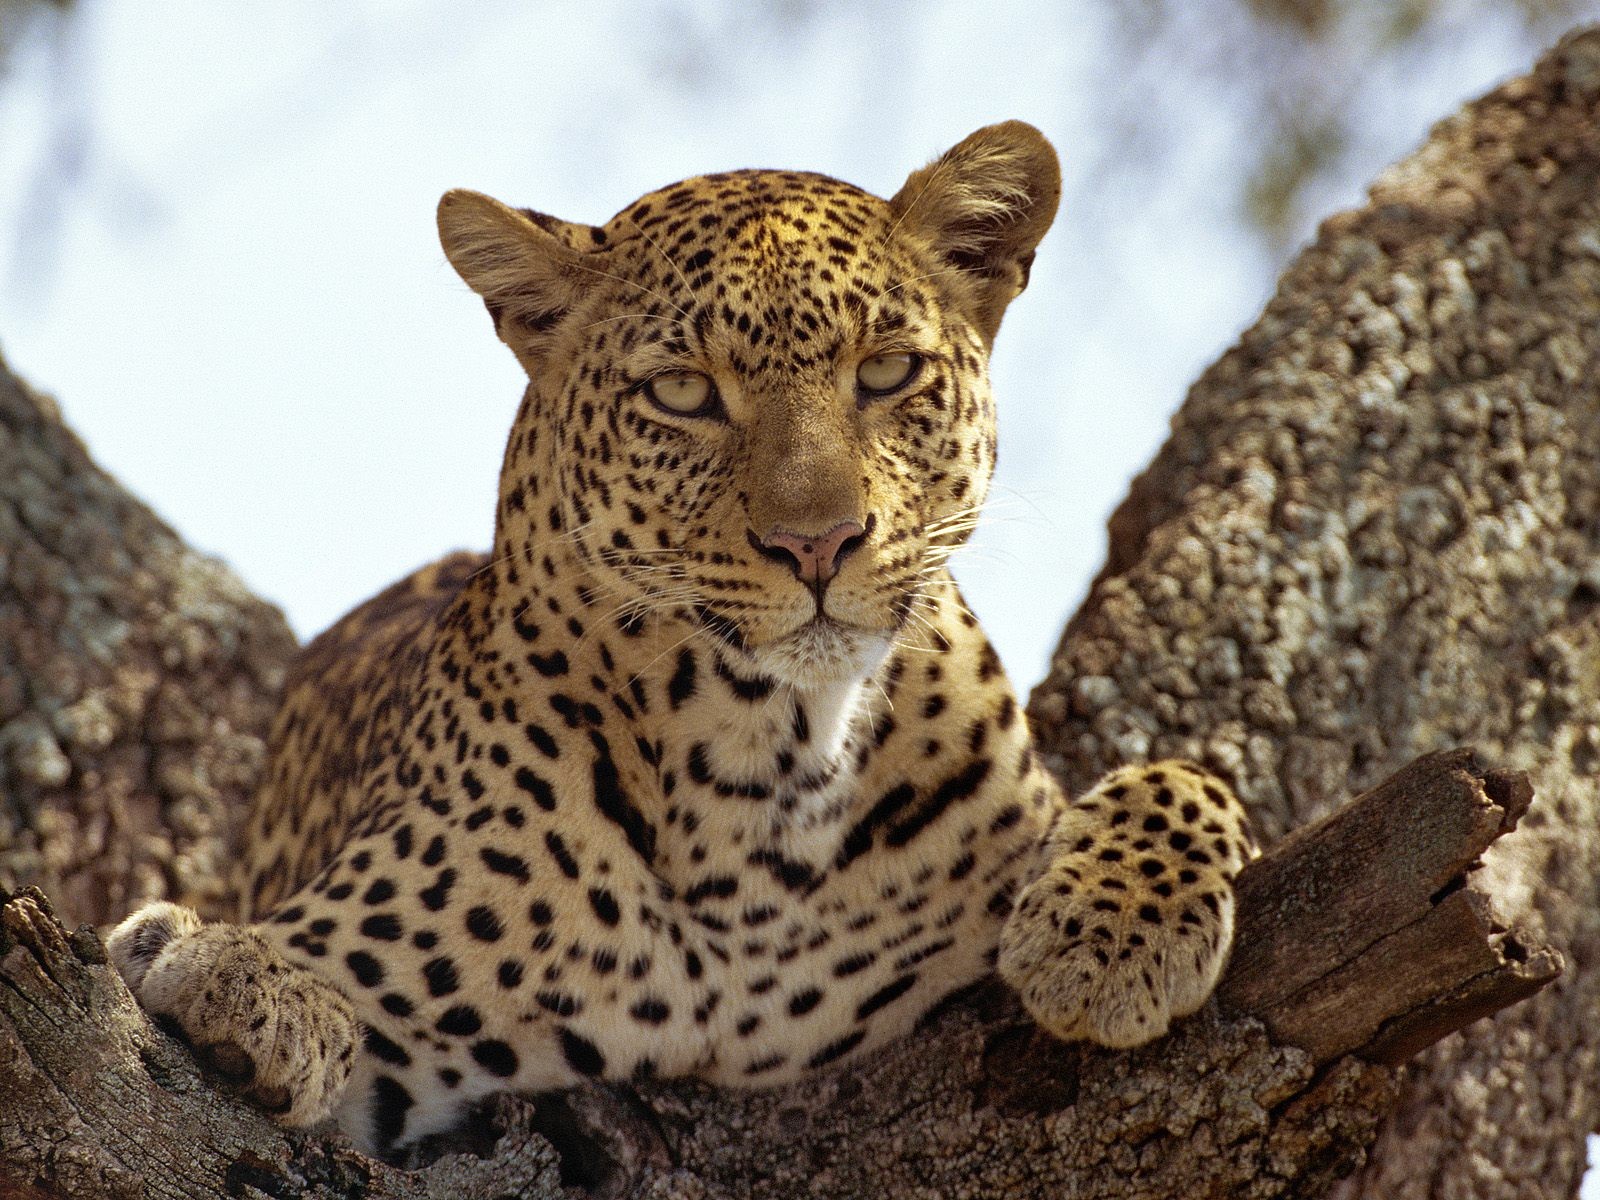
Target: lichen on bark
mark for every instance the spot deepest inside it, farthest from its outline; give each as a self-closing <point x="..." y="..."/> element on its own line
<point x="137" y="678"/>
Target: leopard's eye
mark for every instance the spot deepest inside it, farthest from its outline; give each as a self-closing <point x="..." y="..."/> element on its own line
<point x="684" y="393"/>
<point x="885" y="373"/>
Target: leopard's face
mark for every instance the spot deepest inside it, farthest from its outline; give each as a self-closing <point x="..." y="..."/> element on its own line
<point x="790" y="368"/>
<point x="758" y="400"/>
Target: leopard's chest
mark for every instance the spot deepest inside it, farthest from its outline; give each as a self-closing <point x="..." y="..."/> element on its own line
<point x="759" y="978"/>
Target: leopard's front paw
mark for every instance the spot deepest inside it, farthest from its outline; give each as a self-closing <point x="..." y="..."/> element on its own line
<point x="1130" y="924"/>
<point x="277" y="1034"/>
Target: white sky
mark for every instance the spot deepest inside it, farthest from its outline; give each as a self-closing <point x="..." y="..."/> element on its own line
<point x="227" y="271"/>
<point x="224" y="262"/>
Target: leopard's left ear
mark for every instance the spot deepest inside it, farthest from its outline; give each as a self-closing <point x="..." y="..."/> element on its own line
<point x="983" y="206"/>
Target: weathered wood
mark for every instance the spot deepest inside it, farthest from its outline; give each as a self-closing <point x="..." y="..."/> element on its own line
<point x="1368" y="933"/>
<point x="95" y="1102"/>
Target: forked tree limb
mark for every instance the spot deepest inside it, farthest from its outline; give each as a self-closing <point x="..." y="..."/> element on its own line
<point x="1369" y="933"/>
<point x="1374" y="532"/>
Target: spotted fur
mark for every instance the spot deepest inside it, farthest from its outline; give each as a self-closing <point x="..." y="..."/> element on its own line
<point x="706" y="769"/>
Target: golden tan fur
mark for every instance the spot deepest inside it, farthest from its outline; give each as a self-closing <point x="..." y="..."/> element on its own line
<point x="706" y="769"/>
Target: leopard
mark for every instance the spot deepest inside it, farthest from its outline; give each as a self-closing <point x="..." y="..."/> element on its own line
<point x="705" y="769"/>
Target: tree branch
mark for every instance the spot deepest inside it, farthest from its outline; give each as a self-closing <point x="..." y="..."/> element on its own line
<point x="1404" y="855"/>
<point x="1369" y="932"/>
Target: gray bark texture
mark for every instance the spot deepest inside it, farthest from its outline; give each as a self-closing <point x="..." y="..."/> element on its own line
<point x="137" y="678"/>
<point x="1374" y="534"/>
<point x="1375" y="531"/>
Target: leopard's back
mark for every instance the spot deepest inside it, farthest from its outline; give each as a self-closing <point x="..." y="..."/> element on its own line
<point x="344" y="703"/>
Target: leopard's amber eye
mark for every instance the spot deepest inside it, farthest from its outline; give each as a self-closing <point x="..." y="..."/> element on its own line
<point x="686" y="393"/>
<point x="885" y="373"/>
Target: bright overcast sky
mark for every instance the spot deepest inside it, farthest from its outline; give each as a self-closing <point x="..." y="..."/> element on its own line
<point x="225" y="265"/>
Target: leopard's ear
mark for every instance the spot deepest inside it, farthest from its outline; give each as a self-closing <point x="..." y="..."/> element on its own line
<point x="982" y="206"/>
<point x="528" y="268"/>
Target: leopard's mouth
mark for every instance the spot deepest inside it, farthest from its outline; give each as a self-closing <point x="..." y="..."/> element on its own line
<point x="824" y="650"/>
<point x="815" y="648"/>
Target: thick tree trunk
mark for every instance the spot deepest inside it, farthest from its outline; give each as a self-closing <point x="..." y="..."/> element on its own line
<point x="137" y="678"/>
<point x="1376" y="530"/>
<point x="1374" y="533"/>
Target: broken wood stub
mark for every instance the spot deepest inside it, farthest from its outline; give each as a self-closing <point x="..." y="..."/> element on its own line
<point x="1367" y="933"/>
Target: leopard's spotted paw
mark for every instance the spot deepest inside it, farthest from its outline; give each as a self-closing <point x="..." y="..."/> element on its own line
<point x="1130" y="923"/>
<point x="276" y="1034"/>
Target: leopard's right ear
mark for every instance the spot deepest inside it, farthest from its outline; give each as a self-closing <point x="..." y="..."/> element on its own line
<point x="982" y="206"/>
<point x="528" y="268"/>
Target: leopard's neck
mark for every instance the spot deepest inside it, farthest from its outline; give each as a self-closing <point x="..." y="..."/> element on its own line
<point x="726" y="761"/>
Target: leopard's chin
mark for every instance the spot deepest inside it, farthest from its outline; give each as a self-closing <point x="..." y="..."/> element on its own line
<point x="823" y="653"/>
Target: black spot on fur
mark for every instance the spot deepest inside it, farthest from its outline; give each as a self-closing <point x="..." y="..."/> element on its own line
<point x="483" y="924"/>
<point x="958" y="787"/>
<point x="385" y="1050"/>
<point x="383" y="927"/>
<point x="367" y="970"/>
<point x="554" y="843"/>
<point x="836" y="1049"/>
<point x="461" y="1020"/>
<point x="495" y="1057"/>
<point x="722" y="887"/>
<point x="748" y="690"/>
<point x="537" y="787"/>
<point x="681" y="686"/>
<point x="549" y="665"/>
<point x="885" y="995"/>
<point x="859" y="839"/>
<point x="390" y="1102"/>
<point x="796" y="876"/>
<point x="563" y="1004"/>
<point x="605" y="906"/>
<point x="582" y="1055"/>
<point x="441" y="976"/>
<point x="615" y="805"/>
<point x="438" y="895"/>
<point x="542" y="741"/>
<point x="504" y="864"/>
<point x="651" y="1011"/>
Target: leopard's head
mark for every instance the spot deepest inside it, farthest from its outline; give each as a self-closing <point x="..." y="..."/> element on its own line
<point x="760" y="399"/>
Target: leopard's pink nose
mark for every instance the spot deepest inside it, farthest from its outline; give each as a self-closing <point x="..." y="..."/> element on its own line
<point x="814" y="558"/>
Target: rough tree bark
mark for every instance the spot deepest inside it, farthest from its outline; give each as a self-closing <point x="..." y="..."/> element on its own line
<point x="137" y="678"/>
<point x="1374" y="533"/>
<point x="1375" y="530"/>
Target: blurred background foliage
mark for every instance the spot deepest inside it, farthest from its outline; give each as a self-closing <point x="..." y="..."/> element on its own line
<point x="1297" y="77"/>
<point x="17" y="18"/>
<point x="1291" y="76"/>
